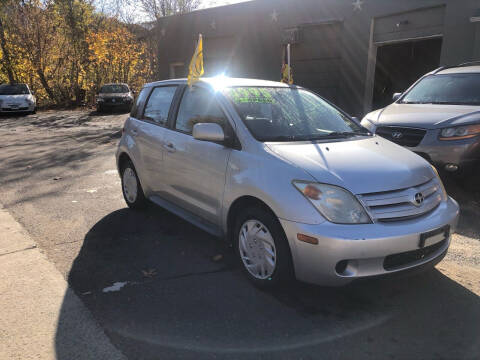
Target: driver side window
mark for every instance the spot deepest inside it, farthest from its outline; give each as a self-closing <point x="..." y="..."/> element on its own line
<point x="198" y="106"/>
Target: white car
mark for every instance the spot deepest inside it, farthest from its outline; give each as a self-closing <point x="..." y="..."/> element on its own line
<point x="17" y="98"/>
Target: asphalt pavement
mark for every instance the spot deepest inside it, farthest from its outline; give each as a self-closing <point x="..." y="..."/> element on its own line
<point x="159" y="288"/>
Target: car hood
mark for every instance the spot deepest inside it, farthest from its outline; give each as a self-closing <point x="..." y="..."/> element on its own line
<point x="362" y="165"/>
<point x="14" y="97"/>
<point x="426" y="116"/>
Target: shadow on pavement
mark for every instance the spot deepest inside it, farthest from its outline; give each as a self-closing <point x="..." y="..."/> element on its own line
<point x="177" y="303"/>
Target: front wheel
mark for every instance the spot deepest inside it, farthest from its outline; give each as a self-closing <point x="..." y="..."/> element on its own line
<point x="131" y="187"/>
<point x="262" y="248"/>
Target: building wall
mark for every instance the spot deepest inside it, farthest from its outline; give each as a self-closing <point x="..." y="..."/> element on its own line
<point x="336" y="51"/>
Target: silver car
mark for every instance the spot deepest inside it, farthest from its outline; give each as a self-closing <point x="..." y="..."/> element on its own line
<point x="296" y="185"/>
<point x="438" y="117"/>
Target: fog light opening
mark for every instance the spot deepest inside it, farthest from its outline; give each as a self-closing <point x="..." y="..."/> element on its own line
<point x="341" y="267"/>
<point x="347" y="268"/>
<point x="451" y="167"/>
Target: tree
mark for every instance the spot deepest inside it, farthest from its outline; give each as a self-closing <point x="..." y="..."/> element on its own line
<point x="33" y="24"/>
<point x="155" y="9"/>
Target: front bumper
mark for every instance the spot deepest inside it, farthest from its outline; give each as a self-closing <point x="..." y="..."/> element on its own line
<point x="463" y="153"/>
<point x="365" y="246"/>
<point x="116" y="104"/>
<point x="21" y="108"/>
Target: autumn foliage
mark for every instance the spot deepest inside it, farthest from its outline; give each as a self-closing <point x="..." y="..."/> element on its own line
<point x="65" y="50"/>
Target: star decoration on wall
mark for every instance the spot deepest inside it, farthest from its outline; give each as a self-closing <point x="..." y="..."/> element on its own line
<point x="213" y="25"/>
<point x="357" y="5"/>
<point x="274" y="16"/>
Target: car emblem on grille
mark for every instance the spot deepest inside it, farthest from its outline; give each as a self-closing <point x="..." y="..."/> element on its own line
<point x="397" y="135"/>
<point x="418" y="199"/>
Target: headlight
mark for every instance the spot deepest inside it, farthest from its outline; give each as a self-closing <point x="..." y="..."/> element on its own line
<point x="368" y="124"/>
<point x="460" y="132"/>
<point x="100" y="99"/>
<point x="29" y="101"/>
<point x="336" y="204"/>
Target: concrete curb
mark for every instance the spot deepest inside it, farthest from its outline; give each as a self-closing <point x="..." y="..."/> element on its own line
<point x="41" y="317"/>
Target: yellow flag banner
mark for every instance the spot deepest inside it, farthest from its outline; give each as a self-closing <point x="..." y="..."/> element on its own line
<point x="195" y="70"/>
<point x="287" y="76"/>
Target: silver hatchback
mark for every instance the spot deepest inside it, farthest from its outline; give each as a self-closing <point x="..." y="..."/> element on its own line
<point x="296" y="185"/>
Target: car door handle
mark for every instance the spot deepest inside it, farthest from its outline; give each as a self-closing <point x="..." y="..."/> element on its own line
<point x="169" y="147"/>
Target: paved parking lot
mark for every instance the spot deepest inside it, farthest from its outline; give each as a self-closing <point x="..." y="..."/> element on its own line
<point x="160" y="290"/>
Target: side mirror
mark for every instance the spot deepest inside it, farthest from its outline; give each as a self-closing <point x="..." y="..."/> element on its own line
<point x="396" y="96"/>
<point x="208" y="132"/>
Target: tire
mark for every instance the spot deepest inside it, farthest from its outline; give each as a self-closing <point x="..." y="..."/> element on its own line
<point x="265" y="225"/>
<point x="131" y="187"/>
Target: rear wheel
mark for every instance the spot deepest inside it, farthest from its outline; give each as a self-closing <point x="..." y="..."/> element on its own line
<point x="131" y="188"/>
<point x="262" y="248"/>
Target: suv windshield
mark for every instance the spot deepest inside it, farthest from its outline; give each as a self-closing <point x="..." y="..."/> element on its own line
<point x="18" y="89"/>
<point x="290" y="114"/>
<point x="453" y="89"/>
<point x="109" y="89"/>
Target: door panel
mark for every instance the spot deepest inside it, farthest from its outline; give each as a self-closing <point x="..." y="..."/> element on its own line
<point x="194" y="174"/>
<point x="194" y="170"/>
<point x="149" y="135"/>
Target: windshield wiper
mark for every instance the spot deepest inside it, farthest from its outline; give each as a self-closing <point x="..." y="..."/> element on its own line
<point x="341" y="134"/>
<point x="332" y="135"/>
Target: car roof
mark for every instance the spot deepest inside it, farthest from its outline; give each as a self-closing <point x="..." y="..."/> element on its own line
<point x="115" y="84"/>
<point x="460" y="70"/>
<point x="223" y="81"/>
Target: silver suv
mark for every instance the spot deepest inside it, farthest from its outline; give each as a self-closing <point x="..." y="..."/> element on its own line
<point x="296" y="185"/>
<point x="438" y="117"/>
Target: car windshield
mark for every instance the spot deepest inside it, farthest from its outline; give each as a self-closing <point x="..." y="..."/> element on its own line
<point x="116" y="88"/>
<point x="451" y="89"/>
<point x="18" y="89"/>
<point x="290" y="114"/>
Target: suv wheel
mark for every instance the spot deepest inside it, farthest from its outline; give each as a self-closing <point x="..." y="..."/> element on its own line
<point x="131" y="188"/>
<point x="262" y="248"/>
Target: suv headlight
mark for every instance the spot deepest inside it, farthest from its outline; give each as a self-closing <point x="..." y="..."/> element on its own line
<point x="29" y="101"/>
<point x="366" y="123"/>
<point x="336" y="204"/>
<point x="100" y="99"/>
<point x="459" y="132"/>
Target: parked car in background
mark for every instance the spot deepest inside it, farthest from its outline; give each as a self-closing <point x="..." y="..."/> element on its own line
<point x="299" y="187"/>
<point x="17" y="98"/>
<point x="114" y="96"/>
<point x="438" y="117"/>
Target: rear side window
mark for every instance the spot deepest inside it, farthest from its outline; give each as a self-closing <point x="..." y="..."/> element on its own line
<point x="158" y="104"/>
<point x="198" y="106"/>
<point x="140" y="100"/>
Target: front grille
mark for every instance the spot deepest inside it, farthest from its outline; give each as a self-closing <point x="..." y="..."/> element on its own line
<point x="398" y="205"/>
<point x="400" y="260"/>
<point x="117" y="100"/>
<point x="402" y="136"/>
